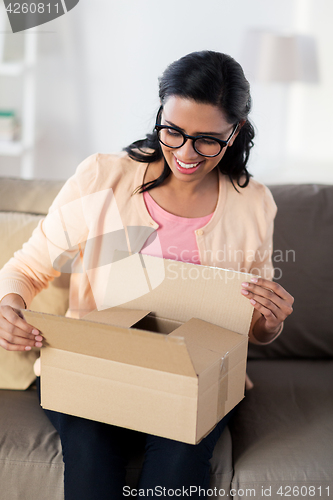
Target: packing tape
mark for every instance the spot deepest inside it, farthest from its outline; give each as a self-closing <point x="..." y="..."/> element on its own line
<point x="223" y="386"/>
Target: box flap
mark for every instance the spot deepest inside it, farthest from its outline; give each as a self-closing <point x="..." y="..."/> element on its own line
<point x="203" y="359"/>
<point x="186" y="291"/>
<point x="118" y="316"/>
<point x="208" y="336"/>
<point x="207" y="343"/>
<point x="130" y="346"/>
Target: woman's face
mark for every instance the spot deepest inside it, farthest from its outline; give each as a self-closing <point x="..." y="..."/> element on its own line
<point x="193" y="118"/>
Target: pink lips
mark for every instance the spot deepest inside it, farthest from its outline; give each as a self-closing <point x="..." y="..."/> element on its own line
<point x="186" y="170"/>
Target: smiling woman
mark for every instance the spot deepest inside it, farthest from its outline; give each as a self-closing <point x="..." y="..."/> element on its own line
<point x="186" y="182"/>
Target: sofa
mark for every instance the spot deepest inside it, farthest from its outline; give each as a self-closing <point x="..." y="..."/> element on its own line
<point x="280" y="441"/>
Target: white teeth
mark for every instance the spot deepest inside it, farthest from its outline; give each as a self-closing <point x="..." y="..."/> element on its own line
<point x="187" y="165"/>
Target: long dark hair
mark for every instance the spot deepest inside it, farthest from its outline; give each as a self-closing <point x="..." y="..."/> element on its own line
<point x="212" y="78"/>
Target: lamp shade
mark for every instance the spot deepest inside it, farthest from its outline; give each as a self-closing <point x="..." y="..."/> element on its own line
<point x="271" y="57"/>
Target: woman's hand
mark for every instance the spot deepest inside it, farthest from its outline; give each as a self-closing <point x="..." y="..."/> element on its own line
<point x="273" y="303"/>
<point x="15" y="333"/>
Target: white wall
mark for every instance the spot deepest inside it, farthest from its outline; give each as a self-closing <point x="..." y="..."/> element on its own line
<point x="99" y="64"/>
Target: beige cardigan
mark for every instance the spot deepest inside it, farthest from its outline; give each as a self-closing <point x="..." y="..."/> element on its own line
<point x="97" y="202"/>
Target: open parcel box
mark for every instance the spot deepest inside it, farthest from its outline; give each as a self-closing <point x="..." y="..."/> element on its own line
<point x="170" y="362"/>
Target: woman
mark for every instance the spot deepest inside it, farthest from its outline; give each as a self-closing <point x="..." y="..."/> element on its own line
<point x="188" y="181"/>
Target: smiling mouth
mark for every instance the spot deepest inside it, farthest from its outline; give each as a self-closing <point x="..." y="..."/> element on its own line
<point x="187" y="165"/>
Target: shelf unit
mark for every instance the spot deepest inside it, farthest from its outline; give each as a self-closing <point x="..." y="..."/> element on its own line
<point x="25" y="70"/>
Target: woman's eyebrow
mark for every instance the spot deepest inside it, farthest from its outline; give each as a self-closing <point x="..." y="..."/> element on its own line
<point x="198" y="133"/>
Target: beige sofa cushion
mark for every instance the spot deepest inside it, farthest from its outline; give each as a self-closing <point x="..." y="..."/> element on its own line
<point x="31" y="465"/>
<point x="32" y="196"/>
<point x="16" y="368"/>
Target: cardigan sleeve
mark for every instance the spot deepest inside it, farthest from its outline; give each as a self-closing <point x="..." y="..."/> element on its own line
<point x="262" y="264"/>
<point x="54" y="241"/>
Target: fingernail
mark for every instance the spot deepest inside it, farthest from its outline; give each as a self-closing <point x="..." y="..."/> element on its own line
<point x="254" y="280"/>
<point x="39" y="338"/>
<point x="38" y="344"/>
<point x="27" y="348"/>
<point x="245" y="283"/>
<point x="245" y="292"/>
<point x="253" y="302"/>
<point x="35" y="332"/>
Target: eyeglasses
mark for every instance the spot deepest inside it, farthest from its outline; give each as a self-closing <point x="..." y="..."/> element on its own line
<point x="204" y="145"/>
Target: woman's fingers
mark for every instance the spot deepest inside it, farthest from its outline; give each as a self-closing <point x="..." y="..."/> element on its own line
<point x="14" y="347"/>
<point x="277" y="289"/>
<point x="15" y="318"/>
<point x="15" y="333"/>
<point x="270" y="299"/>
<point x="271" y="313"/>
<point x="267" y="296"/>
<point x="270" y="295"/>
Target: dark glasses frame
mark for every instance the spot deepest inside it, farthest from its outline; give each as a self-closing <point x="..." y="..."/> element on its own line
<point x="193" y="138"/>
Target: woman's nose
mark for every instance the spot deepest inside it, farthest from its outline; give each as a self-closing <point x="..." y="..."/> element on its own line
<point x="187" y="152"/>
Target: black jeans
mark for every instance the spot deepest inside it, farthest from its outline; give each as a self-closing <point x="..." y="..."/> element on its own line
<point x="95" y="456"/>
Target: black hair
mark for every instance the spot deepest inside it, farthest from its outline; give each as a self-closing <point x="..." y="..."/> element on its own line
<point x="211" y="78"/>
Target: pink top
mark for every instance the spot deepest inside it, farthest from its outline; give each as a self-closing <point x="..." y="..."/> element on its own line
<point x="175" y="235"/>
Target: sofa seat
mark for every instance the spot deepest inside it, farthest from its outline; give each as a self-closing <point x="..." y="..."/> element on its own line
<point x="283" y="432"/>
<point x="30" y="451"/>
<point x="31" y="465"/>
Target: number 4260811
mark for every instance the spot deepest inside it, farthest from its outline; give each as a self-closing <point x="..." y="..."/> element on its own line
<point x="303" y="491"/>
<point x="25" y="8"/>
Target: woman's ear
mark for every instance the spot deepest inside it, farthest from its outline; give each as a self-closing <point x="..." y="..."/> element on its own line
<point x="240" y="125"/>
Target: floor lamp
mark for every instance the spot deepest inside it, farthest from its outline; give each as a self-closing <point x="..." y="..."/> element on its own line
<point x="276" y="61"/>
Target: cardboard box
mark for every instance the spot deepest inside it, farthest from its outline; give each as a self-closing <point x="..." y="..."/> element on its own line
<point x="170" y="362"/>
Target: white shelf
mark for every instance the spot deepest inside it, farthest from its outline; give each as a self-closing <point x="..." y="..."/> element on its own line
<point x="14" y="148"/>
<point x="23" y="69"/>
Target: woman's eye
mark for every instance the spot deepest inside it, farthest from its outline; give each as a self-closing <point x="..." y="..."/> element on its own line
<point x="172" y="132"/>
<point x="208" y="142"/>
